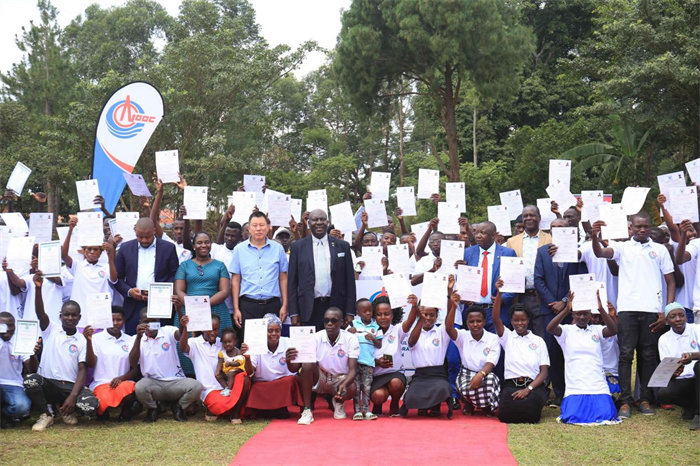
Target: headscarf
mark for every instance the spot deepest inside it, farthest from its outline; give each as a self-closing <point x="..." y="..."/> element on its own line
<point x="271" y="318"/>
<point x="672" y="307"/>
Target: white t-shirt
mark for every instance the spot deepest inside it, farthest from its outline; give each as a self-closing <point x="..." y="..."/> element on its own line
<point x="583" y="360"/>
<point x="673" y="345"/>
<point x="524" y="354"/>
<point x="271" y="365"/>
<point x="112" y="356"/>
<point x="61" y="353"/>
<point x="10" y="365"/>
<point x="89" y="279"/>
<point x="158" y="357"/>
<point x="391" y="344"/>
<point x="14" y="304"/>
<point x="476" y="353"/>
<point x="639" y="285"/>
<point x="334" y="359"/>
<point x="205" y="357"/>
<point x="182" y="253"/>
<point x="611" y="355"/>
<point x="693" y="248"/>
<point x="598" y="266"/>
<point x="684" y="294"/>
<point x="431" y="347"/>
<point x="52" y="294"/>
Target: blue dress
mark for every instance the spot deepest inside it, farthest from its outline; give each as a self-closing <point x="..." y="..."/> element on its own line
<point x="204" y="284"/>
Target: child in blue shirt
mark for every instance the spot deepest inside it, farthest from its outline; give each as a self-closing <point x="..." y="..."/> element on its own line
<point x="366" y="328"/>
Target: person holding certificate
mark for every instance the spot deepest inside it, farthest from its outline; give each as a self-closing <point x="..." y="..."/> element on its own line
<point x="15" y="402"/>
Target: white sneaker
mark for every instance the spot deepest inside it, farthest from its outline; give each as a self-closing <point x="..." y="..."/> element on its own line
<point x="45" y="421"/>
<point x="307" y="417"/>
<point x="338" y="409"/>
<point x="70" y="419"/>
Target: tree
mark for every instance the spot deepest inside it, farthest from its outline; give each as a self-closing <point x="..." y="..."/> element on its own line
<point x="435" y="44"/>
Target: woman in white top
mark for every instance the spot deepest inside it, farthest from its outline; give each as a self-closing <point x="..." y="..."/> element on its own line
<point x="526" y="365"/>
<point x="587" y="399"/>
<point x="479" y="352"/>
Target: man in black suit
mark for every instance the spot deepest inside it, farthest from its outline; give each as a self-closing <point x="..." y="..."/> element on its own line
<point x="139" y="263"/>
<point x="320" y="275"/>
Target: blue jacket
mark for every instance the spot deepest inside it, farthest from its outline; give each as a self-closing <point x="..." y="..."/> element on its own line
<point x="473" y="259"/>
<point x="552" y="281"/>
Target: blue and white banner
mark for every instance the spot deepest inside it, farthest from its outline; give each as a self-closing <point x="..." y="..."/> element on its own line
<point x="126" y="123"/>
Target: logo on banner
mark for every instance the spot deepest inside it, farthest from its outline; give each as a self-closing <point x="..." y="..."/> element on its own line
<point x="126" y="119"/>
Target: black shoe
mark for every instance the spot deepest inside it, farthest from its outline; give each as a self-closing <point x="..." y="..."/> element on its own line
<point x="151" y="415"/>
<point x="103" y="417"/>
<point x="179" y="413"/>
<point x="556" y="402"/>
<point x="687" y="414"/>
<point x="377" y="409"/>
<point x="136" y="408"/>
<point x="695" y="423"/>
<point x="455" y="404"/>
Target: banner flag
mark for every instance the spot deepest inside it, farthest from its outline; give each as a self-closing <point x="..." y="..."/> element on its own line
<point x="126" y="123"/>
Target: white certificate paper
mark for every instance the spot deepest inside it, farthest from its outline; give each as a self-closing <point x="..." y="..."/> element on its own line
<point x="428" y="183"/>
<point x="546" y="214"/>
<point x="455" y="194"/>
<point x="448" y="213"/>
<point x="99" y="310"/>
<point x="663" y="372"/>
<point x="376" y="213"/>
<point x="296" y="209"/>
<point x="684" y="205"/>
<point x="168" y="166"/>
<point x="126" y="221"/>
<point x="26" y="337"/>
<point x="244" y="203"/>
<point x="398" y="288"/>
<point x="317" y="202"/>
<point x="591" y="201"/>
<point x="41" y="226"/>
<point x="561" y="194"/>
<point x="566" y="241"/>
<point x="372" y="257"/>
<point x="584" y="288"/>
<point x="256" y="335"/>
<point x="90" y="229"/>
<point x="195" y="200"/>
<point x="399" y="260"/>
<point x="279" y="208"/>
<point x="50" y="258"/>
<point x="16" y="222"/>
<point x="379" y="185"/>
<point x="434" y="291"/>
<point x="419" y="229"/>
<point x="693" y="168"/>
<point x="514" y="201"/>
<point x="633" y="199"/>
<point x="19" y="253"/>
<point x="255" y="184"/>
<point x="451" y="252"/>
<point x="499" y="216"/>
<point x="468" y="286"/>
<point x="513" y="274"/>
<point x="560" y="170"/>
<point x="160" y="305"/>
<point x="406" y="200"/>
<point x="198" y="309"/>
<point x="342" y="217"/>
<point x="615" y="221"/>
<point x="87" y="191"/>
<point x="670" y="181"/>
<point x="303" y="339"/>
<point x="137" y="184"/>
<point x="18" y="178"/>
<point x="602" y="290"/>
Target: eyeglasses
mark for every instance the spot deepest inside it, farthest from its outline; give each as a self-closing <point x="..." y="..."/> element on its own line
<point x="199" y="269"/>
<point x="334" y="320"/>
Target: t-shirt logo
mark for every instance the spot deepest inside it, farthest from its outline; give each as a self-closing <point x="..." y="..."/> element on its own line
<point x="436" y="342"/>
<point x="13" y="358"/>
<point x="125" y="348"/>
<point x="341" y="353"/>
<point x="487" y="350"/>
<point x="73" y="348"/>
<point x="533" y="346"/>
<point x="694" y="344"/>
<point x="165" y="346"/>
<point x="101" y="274"/>
<point x="653" y="255"/>
<point x="595" y="338"/>
<point x="283" y="361"/>
<point x="390" y="338"/>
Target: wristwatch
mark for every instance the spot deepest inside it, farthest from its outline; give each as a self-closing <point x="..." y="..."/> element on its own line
<point x="565" y="300"/>
<point x="529" y="387"/>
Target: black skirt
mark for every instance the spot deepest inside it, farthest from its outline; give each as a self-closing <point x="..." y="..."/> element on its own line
<point x="429" y="387"/>
<point x="380" y="380"/>
<point x="525" y="411"/>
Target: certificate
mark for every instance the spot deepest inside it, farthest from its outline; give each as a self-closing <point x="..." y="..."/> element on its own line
<point x="584" y="288"/>
<point x="693" y="168"/>
<point x="87" y="191"/>
<point x="670" y="181"/>
<point x="499" y="216"/>
<point x="591" y="201"/>
<point x="113" y="228"/>
<point x="633" y="199"/>
<point x="317" y="202"/>
<point x="602" y="290"/>
<point x="419" y="229"/>
<point x="514" y="201"/>
<point x="195" y="200"/>
<point x="99" y="310"/>
<point x="255" y="184"/>
<point x="50" y="258"/>
<point x="90" y="229"/>
<point x="663" y="372"/>
<point x="296" y="210"/>
<point x="41" y="226"/>
<point x="26" y="337"/>
<point x="434" y="291"/>
<point x="342" y="217"/>
<point x="198" y="309"/>
<point x="376" y="213"/>
<point x="317" y="193"/>
<point x="19" y="253"/>
<point x="18" y="178"/>
<point x="279" y="207"/>
<point x="448" y="213"/>
<point x="684" y="204"/>
<point x="379" y="185"/>
<point x="15" y="222"/>
<point x="137" y="185"/>
<point x="126" y="221"/>
<point x="560" y="170"/>
<point x="469" y="281"/>
<point x="546" y="214"/>
<point x="428" y="183"/>
<point x="513" y="274"/>
<point x="160" y="305"/>
<point x="406" y="200"/>
<point x="244" y="203"/>
<point x="256" y="335"/>
<point x="303" y="339"/>
<point x="168" y="166"/>
<point x="399" y="260"/>
<point x="615" y="221"/>
<point x="455" y="194"/>
<point x="566" y="241"/>
<point x="561" y="194"/>
<point x="398" y="288"/>
<point x="264" y="207"/>
<point x="451" y="252"/>
<point x="372" y="257"/>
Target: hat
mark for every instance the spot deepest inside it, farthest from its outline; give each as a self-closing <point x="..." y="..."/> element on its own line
<point x="281" y="231"/>
<point x="672" y="307"/>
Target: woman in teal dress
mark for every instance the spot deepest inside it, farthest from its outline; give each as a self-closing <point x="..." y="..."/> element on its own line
<point x="203" y="276"/>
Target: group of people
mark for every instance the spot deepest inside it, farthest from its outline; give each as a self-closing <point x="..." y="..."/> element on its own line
<point x="506" y="354"/>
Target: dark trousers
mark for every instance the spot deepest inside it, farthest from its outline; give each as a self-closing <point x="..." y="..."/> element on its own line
<point x="133" y="321"/>
<point x="321" y="305"/>
<point x="556" y="357"/>
<point x="634" y="333"/>
<point x="454" y="365"/>
<point x="43" y="391"/>
<point x="256" y="309"/>
<point x="683" y="392"/>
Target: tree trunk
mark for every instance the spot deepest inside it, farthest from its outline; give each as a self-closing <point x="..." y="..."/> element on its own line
<point x="476" y="156"/>
<point x="449" y="122"/>
<point x="386" y="148"/>
<point x="401" y="166"/>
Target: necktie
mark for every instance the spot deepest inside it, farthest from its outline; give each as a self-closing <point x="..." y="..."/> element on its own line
<point x="321" y="270"/>
<point x="484" y="276"/>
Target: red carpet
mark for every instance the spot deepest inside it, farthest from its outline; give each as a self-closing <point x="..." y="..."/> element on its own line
<point x="414" y="440"/>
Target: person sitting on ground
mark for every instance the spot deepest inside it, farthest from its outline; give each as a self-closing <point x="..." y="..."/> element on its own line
<point x="231" y="361"/>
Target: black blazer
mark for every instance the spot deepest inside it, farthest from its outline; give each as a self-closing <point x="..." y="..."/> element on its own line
<point x="301" y="277"/>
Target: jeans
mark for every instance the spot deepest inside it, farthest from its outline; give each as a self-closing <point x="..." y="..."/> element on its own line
<point x="634" y="333"/>
<point x="15" y="402"/>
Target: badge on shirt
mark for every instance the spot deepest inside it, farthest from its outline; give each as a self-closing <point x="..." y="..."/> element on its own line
<point x="436" y="342"/>
<point x="595" y="338"/>
<point x="73" y="348"/>
<point x="533" y="346"/>
<point x="341" y="254"/>
<point x="341" y="353"/>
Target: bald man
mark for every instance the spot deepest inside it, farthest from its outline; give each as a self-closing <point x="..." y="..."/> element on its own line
<point x="139" y="263"/>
